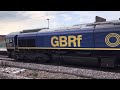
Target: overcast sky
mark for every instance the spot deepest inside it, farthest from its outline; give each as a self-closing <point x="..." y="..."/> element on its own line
<point x="13" y="21"/>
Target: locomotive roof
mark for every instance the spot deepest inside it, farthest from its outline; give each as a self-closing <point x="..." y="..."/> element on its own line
<point x="74" y="27"/>
<point x="32" y="30"/>
<point x="13" y="34"/>
<point x="114" y="22"/>
<point x="79" y="26"/>
<point x="82" y="26"/>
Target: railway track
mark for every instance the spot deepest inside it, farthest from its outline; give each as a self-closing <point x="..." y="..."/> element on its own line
<point x="87" y="73"/>
<point x="10" y="75"/>
<point x="39" y="67"/>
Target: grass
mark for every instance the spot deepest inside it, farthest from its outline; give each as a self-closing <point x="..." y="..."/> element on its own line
<point x="34" y="73"/>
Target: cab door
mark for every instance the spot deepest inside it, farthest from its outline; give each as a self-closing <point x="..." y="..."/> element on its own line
<point x="15" y="43"/>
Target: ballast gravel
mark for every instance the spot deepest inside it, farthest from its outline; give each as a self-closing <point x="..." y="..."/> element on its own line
<point x="35" y="74"/>
<point x="19" y="73"/>
<point x="80" y="72"/>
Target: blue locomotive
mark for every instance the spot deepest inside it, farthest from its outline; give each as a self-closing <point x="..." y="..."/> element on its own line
<point x="99" y="41"/>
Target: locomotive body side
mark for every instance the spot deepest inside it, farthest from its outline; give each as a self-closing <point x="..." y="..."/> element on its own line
<point x="107" y="41"/>
<point x="68" y="39"/>
<point x="92" y="41"/>
<point x="55" y="42"/>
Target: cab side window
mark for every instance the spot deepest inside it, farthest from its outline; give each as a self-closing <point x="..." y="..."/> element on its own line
<point x="9" y="42"/>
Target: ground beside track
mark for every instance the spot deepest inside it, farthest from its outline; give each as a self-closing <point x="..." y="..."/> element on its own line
<point x="33" y="74"/>
<point x="46" y="71"/>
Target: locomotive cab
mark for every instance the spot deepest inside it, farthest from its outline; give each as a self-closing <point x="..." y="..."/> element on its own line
<point x="11" y="44"/>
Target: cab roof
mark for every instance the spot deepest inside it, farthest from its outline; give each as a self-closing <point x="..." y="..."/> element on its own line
<point x="11" y="35"/>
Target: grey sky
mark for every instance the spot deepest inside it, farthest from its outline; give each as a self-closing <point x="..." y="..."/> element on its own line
<point x="11" y="16"/>
<point x="12" y="21"/>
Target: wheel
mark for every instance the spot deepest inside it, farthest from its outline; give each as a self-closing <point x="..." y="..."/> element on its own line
<point x="18" y="57"/>
<point x="9" y="55"/>
<point x="108" y="62"/>
<point x="43" y="58"/>
<point x="99" y="62"/>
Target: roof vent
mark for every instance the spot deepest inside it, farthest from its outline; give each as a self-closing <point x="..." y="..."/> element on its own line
<point x="32" y="30"/>
<point x="99" y="19"/>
